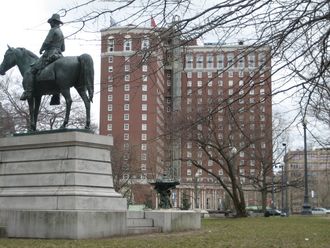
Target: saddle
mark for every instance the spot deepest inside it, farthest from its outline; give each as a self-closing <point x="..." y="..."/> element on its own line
<point x="46" y="74"/>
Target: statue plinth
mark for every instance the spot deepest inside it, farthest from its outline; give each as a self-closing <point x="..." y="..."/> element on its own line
<point x="59" y="185"/>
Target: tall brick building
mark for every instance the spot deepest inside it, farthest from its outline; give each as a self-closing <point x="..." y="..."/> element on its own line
<point x="150" y="80"/>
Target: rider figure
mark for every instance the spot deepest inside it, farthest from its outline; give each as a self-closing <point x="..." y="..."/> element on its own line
<point x="53" y="47"/>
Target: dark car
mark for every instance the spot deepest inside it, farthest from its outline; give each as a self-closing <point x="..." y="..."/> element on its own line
<point x="272" y="212"/>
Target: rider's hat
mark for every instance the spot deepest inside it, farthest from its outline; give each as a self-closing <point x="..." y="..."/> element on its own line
<point x="55" y="17"/>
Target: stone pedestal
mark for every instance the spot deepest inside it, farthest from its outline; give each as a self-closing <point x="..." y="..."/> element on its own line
<point x="59" y="185"/>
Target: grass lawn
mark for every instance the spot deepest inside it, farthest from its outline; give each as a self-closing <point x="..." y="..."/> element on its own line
<point x="292" y="232"/>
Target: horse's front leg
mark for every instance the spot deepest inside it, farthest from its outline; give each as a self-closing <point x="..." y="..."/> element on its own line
<point x="32" y="124"/>
<point x="68" y="102"/>
<point x="37" y="101"/>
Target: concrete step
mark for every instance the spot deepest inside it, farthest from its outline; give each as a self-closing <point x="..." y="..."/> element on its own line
<point x="135" y="214"/>
<point x="140" y="223"/>
<point x="143" y="230"/>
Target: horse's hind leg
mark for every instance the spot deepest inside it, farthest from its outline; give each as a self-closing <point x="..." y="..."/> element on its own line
<point x="85" y="98"/>
<point x="68" y="102"/>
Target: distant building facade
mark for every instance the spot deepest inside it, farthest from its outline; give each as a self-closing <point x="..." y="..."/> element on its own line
<point x="148" y="81"/>
<point x="318" y="173"/>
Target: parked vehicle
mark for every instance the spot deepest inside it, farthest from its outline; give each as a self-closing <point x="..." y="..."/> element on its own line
<point x="319" y="211"/>
<point x="273" y="212"/>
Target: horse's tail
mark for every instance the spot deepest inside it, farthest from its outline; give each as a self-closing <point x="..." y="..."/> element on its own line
<point x="87" y="73"/>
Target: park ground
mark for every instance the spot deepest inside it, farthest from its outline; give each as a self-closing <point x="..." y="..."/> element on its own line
<point x="272" y="232"/>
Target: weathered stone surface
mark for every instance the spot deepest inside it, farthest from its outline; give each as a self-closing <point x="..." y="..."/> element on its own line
<point x="59" y="185"/>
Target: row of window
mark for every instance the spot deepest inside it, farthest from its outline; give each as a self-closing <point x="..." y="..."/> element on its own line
<point x="199" y="172"/>
<point x="144" y="88"/>
<point x="127" y="44"/>
<point x="144" y="97"/>
<point x="220" y="61"/>
<point x="126" y="127"/>
<point x="126" y="106"/>
<point x="228" y="73"/>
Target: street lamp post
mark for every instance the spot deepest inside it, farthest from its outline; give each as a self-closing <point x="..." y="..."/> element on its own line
<point x="306" y="208"/>
<point x="196" y="190"/>
<point x="286" y="181"/>
<point x="273" y="186"/>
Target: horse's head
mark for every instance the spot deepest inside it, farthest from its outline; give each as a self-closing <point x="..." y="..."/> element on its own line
<point x="9" y="60"/>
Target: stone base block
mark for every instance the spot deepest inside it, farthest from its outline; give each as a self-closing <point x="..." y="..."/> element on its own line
<point x="53" y="224"/>
<point x="175" y="220"/>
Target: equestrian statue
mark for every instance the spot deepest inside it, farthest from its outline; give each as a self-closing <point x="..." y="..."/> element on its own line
<point x="52" y="74"/>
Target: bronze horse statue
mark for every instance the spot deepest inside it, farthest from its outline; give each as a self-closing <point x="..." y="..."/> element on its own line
<point x="66" y="72"/>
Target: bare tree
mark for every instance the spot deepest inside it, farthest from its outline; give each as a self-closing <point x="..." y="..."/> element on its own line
<point x="297" y="31"/>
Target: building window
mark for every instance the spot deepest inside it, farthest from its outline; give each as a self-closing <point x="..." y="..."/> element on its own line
<point x="127" y="45"/>
<point x="126" y="107"/>
<point x="144" y="107"/>
<point x="109" y="107"/>
<point x="241" y="74"/>
<point x="144" y="87"/>
<point x="126" y="97"/>
<point x="199" y="74"/>
<point x="144" y="136"/>
<point x="188" y="172"/>
<point x="126" y="136"/>
<point x="110" y="59"/>
<point x="144" y="127"/>
<point x="126" y="87"/>
<point x="127" y="67"/>
<point x="251" y="60"/>
<point x="126" y="117"/>
<point x="127" y="77"/>
<point x="110" y="78"/>
<point x="110" y="68"/>
<point x="144" y="68"/>
<point x="230" y="92"/>
<point x="230" y="83"/>
<point x="199" y="83"/>
<point x="230" y="73"/>
<point x="209" y="162"/>
<point x="220" y="83"/>
<point x="111" y="45"/>
<point x="189" y="74"/>
<point x="143" y="147"/>
<point x="241" y="62"/>
<point x="143" y="167"/>
<point x="262" y="91"/>
<point x="189" y="154"/>
<point x="189" y="61"/>
<point x="189" y="83"/>
<point x="144" y="97"/>
<point x="220" y="63"/>
<point x="110" y="88"/>
<point x="199" y="61"/>
<point x="145" y="43"/>
<point x="109" y="117"/>
<point x="109" y="98"/>
<point x="144" y="117"/>
<point x="230" y="59"/>
<point x="261" y="59"/>
<point x="210" y="61"/>
<point x="126" y="126"/>
<point x="143" y="156"/>
<point x="109" y="127"/>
